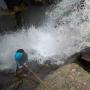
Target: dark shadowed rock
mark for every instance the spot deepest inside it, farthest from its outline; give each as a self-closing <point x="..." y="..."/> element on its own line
<point x="26" y="80"/>
<point x="85" y="54"/>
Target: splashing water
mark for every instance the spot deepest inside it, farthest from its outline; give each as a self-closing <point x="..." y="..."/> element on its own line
<point x="64" y="33"/>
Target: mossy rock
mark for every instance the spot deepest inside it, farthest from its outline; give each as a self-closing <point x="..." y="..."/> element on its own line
<point x="69" y="77"/>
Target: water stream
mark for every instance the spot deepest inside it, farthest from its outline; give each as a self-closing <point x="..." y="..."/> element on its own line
<point x="65" y="31"/>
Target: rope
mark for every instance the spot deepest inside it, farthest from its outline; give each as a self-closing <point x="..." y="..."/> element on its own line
<point x="43" y="83"/>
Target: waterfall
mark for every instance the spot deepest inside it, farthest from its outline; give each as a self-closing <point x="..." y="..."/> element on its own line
<point x="65" y="32"/>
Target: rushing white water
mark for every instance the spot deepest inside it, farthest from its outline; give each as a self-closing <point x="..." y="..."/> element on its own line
<point x="64" y="33"/>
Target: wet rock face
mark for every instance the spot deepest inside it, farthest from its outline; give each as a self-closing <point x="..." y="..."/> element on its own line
<point x="11" y="3"/>
<point x="23" y="12"/>
<point x="69" y="77"/>
<point x="43" y="2"/>
<point x="85" y="54"/>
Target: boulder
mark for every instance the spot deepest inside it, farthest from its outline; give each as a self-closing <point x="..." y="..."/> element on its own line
<point x="68" y="77"/>
<point x="85" y="54"/>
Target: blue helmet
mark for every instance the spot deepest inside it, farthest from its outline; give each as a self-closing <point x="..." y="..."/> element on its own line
<point x="20" y="57"/>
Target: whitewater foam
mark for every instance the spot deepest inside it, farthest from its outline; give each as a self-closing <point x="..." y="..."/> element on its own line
<point x="65" y="32"/>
